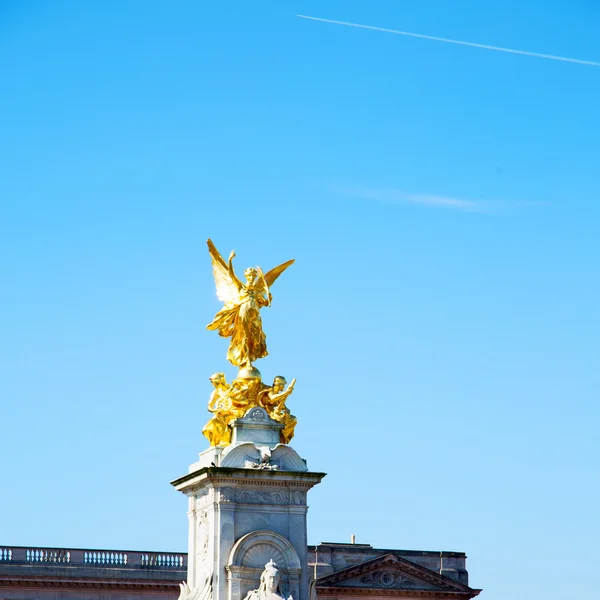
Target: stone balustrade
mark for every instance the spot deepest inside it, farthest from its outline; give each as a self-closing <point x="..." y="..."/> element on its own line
<point x="19" y="555"/>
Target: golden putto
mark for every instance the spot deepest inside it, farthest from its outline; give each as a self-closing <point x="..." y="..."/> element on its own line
<point x="240" y="320"/>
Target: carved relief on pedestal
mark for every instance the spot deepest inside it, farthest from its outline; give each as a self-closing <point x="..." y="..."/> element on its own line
<point x="227" y="494"/>
<point x="298" y="498"/>
<point x="262" y="497"/>
<point x="202" y="543"/>
<point x="256" y="414"/>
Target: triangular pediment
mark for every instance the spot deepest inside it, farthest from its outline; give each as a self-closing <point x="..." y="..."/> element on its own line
<point x="392" y="573"/>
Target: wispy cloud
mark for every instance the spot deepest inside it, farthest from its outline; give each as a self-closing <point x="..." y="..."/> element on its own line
<point x="589" y="63"/>
<point x="395" y="196"/>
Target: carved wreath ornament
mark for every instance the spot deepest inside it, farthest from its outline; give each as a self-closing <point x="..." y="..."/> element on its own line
<point x="386" y="579"/>
<point x="256" y="415"/>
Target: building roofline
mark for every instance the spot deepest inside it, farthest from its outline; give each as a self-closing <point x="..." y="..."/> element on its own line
<point x="368" y="548"/>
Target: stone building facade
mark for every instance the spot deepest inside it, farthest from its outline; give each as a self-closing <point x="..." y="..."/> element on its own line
<point x="343" y="572"/>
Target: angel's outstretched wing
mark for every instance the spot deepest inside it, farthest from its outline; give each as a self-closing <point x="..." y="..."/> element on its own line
<point x="227" y="288"/>
<point x="274" y="273"/>
<point x="265" y="280"/>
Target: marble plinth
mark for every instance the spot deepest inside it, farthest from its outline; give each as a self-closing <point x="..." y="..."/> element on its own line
<point x="247" y="505"/>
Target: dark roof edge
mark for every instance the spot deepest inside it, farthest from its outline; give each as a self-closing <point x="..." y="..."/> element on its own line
<point x="369" y="548"/>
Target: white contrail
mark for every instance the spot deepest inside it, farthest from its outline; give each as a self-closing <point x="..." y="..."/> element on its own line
<point x="460" y="43"/>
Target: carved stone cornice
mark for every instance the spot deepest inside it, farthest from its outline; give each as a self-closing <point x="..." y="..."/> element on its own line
<point x="340" y="592"/>
<point x="46" y="582"/>
<point x="223" y="476"/>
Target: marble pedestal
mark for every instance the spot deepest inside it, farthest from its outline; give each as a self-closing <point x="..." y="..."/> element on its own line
<point x="247" y="505"/>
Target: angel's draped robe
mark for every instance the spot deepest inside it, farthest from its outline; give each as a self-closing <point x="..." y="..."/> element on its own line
<point x="241" y="321"/>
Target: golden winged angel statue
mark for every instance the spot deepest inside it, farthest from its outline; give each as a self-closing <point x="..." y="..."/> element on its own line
<point x="239" y="319"/>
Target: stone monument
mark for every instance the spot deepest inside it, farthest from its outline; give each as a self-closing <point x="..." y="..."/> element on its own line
<point x="247" y="492"/>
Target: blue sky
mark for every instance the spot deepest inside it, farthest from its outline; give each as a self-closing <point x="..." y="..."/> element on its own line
<point x="442" y="317"/>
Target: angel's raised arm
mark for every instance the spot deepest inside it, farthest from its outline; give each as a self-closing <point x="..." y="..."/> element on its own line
<point x="231" y="270"/>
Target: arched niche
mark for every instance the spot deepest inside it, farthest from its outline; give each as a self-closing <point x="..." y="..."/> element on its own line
<point x="249" y="556"/>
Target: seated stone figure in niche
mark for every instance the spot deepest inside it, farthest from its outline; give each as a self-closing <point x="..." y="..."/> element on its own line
<point x="272" y="399"/>
<point x="270" y="588"/>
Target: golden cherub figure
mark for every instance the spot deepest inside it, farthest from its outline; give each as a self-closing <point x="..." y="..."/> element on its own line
<point x="273" y="400"/>
<point x="216" y="429"/>
<point x="239" y="319"/>
<point x="228" y="402"/>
